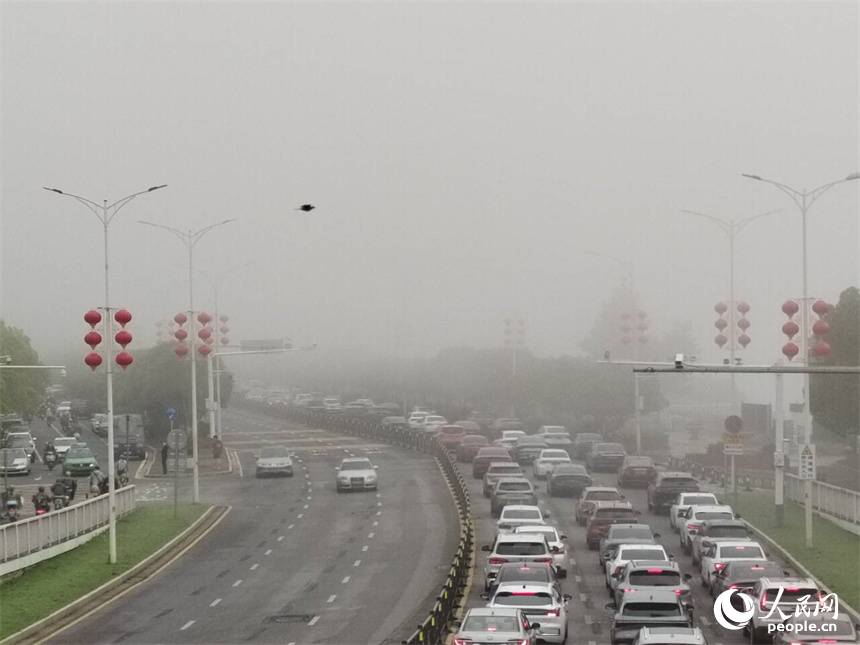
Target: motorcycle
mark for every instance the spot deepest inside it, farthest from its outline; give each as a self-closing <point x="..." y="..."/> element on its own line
<point x="60" y="502"/>
<point x="123" y="480"/>
<point x="12" y="510"/>
<point x="42" y="505"/>
<point x="51" y="460"/>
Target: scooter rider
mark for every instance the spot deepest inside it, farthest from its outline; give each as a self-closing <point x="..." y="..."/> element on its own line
<point x="50" y="454"/>
<point x="58" y="490"/>
<point x="41" y="501"/>
<point x="70" y="483"/>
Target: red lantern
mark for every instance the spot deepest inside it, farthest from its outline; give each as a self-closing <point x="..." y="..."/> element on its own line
<point x="789" y="308"/>
<point x="124" y="359"/>
<point x="821" y="349"/>
<point x="122" y="338"/>
<point x="180" y="319"/>
<point x="790" y="349"/>
<point x="821" y="328"/>
<point x="205" y="350"/>
<point x="743" y="340"/>
<point x="93" y="360"/>
<point x="209" y="340"/>
<point x="721" y="308"/>
<point x="721" y="340"/>
<point x="92" y="339"/>
<point x="203" y="318"/>
<point x="204" y="333"/>
<point x="180" y="350"/>
<point x="721" y="324"/>
<point x="790" y="329"/>
<point x="224" y="340"/>
<point x="181" y="335"/>
<point x="92" y="318"/>
<point x="224" y="318"/>
<point x="744" y="324"/>
<point x="224" y="329"/>
<point x="123" y="317"/>
<point x="820" y="307"/>
<point x="744" y="308"/>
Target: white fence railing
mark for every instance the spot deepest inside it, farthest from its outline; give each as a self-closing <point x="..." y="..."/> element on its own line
<point x="841" y="503"/>
<point x="34" y="534"/>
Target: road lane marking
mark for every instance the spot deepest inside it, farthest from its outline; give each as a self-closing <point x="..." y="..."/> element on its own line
<point x="704" y="620"/>
<point x="379" y="512"/>
<point x="300" y="516"/>
<point x="357" y="562"/>
<point x="314" y="621"/>
<point x="588" y="619"/>
<point x="280" y="538"/>
<point x="215" y="602"/>
<point x="379" y="503"/>
<point x="290" y="526"/>
<point x="268" y="552"/>
<point x="376" y="523"/>
<point x="578" y="578"/>
<point x="345" y="580"/>
<point x="364" y="548"/>
<point x="254" y="566"/>
<point x="237" y="583"/>
<point x="306" y="506"/>
<point x="331" y="598"/>
<point x="370" y="535"/>
<point x="583" y="597"/>
<point x="187" y="625"/>
<point x="309" y="497"/>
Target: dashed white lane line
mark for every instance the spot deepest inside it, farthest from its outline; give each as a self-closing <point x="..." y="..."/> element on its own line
<point x="254" y="566"/>
<point x="306" y="506"/>
<point x="578" y="579"/>
<point x="268" y="552"/>
<point x="357" y="563"/>
<point x="376" y="523"/>
<point x="300" y="516"/>
<point x="290" y="526"/>
<point x="314" y="621"/>
<point x="379" y="503"/>
<point x="309" y="497"/>
<point x="364" y="548"/>
<point x="583" y="597"/>
<point x="281" y="538"/>
<point x="370" y="535"/>
<point x="345" y="580"/>
<point x="379" y="494"/>
<point x="588" y="619"/>
<point x="704" y="620"/>
<point x="592" y="642"/>
<point x="331" y="598"/>
<point x="294" y="643"/>
<point x="379" y="512"/>
<point x="214" y="602"/>
<point x="237" y="583"/>
<point x="187" y="625"/>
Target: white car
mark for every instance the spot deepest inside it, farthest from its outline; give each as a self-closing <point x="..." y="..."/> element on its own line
<point x="548" y="460"/>
<point x="541" y="603"/>
<point x="721" y="553"/>
<point x="416" y="420"/>
<point x="332" y="403"/>
<point x="433" y="423"/>
<point x="684" y="501"/>
<point x="356" y="473"/>
<point x="560" y="557"/>
<point x="515" y="515"/>
<point x="551" y="430"/>
<point x="527" y="548"/>
<point x="62" y="445"/>
<point x="509" y="438"/>
<point x="626" y="552"/>
<point x="690" y="520"/>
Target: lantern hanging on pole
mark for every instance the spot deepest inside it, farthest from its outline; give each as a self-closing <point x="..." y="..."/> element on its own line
<point x="93" y="338"/>
<point x="204" y="333"/>
<point x="821" y="349"/>
<point x="743" y="340"/>
<point x="721" y="340"/>
<point x="744" y="308"/>
<point x="790" y="350"/>
<point x="203" y="318"/>
<point x="122" y="338"/>
<point x="821" y="328"/>
<point x="180" y="350"/>
<point x="223" y="318"/>
<point x="225" y="340"/>
<point x="180" y="319"/>
<point x="122" y="317"/>
<point x="224" y="329"/>
<point x="821" y="308"/>
<point x="92" y="318"/>
<point x="93" y="360"/>
<point x="124" y="359"/>
<point x="790" y="307"/>
<point x="743" y="324"/>
<point x="209" y="340"/>
<point x="721" y="324"/>
<point x="205" y="350"/>
<point x="790" y="329"/>
<point x="721" y="308"/>
<point x="181" y="335"/>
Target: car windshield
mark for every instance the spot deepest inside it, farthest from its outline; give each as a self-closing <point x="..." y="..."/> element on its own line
<point x="640" y="461"/>
<point x="651" y="609"/>
<point x="524" y="574"/>
<point x="714" y="515"/>
<point x="555" y="454"/>
<point x="727" y="531"/>
<point x="523" y="599"/>
<point x="570" y="469"/>
<point x="521" y="514"/>
<point x="794" y="594"/>
<point x="490" y="624"/>
<point x="642" y="554"/>
<point x="655" y="578"/>
<point x="504" y="470"/>
<point x="274" y="453"/>
<point x="637" y="533"/>
<point x="521" y="548"/>
<point x="695" y="500"/>
<point x="751" y="551"/>
<point x="679" y="481"/>
<point x="11" y="454"/>
<point x="364" y="464"/>
<point x="602" y="496"/>
<point x="17" y="442"/>
<point x="606" y="513"/>
<point x="76" y="452"/>
<point x="514" y="486"/>
<point x="743" y="571"/>
<point x="609" y="447"/>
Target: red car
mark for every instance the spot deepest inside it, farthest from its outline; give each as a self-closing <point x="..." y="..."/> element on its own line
<point x="451" y="436"/>
<point x="469" y="447"/>
<point x="604" y="515"/>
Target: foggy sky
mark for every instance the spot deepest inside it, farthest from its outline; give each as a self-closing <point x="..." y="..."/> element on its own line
<point x="462" y="158"/>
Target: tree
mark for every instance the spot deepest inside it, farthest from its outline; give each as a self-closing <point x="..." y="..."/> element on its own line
<point x="21" y="391"/>
<point x="835" y="399"/>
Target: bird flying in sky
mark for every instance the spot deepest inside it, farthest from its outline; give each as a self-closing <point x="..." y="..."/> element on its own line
<point x="306" y="208"/>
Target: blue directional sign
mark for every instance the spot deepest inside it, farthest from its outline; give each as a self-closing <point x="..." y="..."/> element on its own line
<point x="171" y="412"/>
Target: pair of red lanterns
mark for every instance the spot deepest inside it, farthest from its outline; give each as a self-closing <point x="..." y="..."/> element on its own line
<point x="122" y="338"/>
<point x="629" y="326"/>
<point x="722" y="324"/>
<point x="819" y="329"/>
<point x="204" y="334"/>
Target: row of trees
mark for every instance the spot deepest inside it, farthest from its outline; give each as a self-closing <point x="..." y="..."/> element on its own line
<point x="21" y="391"/>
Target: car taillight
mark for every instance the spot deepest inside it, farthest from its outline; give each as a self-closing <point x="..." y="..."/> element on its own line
<point x="547" y="560"/>
<point x="764" y="602"/>
<point x="655" y="570"/>
<point x="462" y="641"/>
<point x="618" y="570"/>
<point x="627" y="590"/>
<point x="677" y="592"/>
<point x="690" y="527"/>
<point x="561" y="550"/>
<point x="497" y="560"/>
<point x="827" y="640"/>
<point x="719" y="566"/>
<point x="792" y="588"/>
<point x="552" y="613"/>
<point x="706" y="543"/>
<point x="733" y="586"/>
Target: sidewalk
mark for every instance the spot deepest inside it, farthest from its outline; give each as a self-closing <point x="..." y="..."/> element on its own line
<point x="207" y="466"/>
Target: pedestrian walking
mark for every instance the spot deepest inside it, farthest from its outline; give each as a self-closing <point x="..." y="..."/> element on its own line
<point x="217" y="447"/>
<point x="164" y="451"/>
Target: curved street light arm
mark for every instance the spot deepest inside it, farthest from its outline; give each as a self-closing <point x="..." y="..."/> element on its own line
<point x="184" y="237"/>
<point x="813" y="195"/>
<point x="740" y="225"/>
<point x="723" y="224"/>
<point x="627" y="266"/>
<point x="195" y="237"/>
<point x="795" y="195"/>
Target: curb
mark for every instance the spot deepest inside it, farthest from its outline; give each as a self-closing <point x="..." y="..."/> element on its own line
<point x="808" y="574"/>
<point x="55" y="618"/>
<point x="149" y="463"/>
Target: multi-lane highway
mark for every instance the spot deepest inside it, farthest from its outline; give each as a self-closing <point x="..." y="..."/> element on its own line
<point x="294" y="561"/>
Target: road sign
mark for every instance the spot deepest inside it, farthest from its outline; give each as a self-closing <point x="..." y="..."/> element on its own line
<point x="176" y="439"/>
<point x="734" y="424"/>
<point x="732" y="438"/>
<point x="779" y="460"/>
<point x="171" y="412"/>
<point x="733" y="449"/>
<point x="807" y="461"/>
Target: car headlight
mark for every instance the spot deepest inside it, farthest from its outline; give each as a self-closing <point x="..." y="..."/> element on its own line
<point x="371" y="477"/>
<point x="343" y="478"/>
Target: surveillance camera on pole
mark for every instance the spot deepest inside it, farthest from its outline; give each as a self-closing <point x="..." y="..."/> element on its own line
<point x="679" y="361"/>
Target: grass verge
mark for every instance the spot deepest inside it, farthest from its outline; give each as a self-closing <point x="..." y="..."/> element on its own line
<point x="835" y="556"/>
<point x="53" y="584"/>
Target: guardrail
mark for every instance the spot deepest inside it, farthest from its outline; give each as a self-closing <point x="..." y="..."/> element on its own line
<point x="41" y="533"/>
<point x="831" y="502"/>
<point x="434" y="628"/>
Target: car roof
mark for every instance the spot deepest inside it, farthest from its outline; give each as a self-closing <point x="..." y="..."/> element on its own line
<point x="654" y="564"/>
<point x="711" y="523"/>
<point x="614" y="504"/>
<point x="529" y="586"/>
<point x="510" y="480"/>
<point x="591" y="489"/>
<point x="789" y="580"/>
<point x="686" y="635"/>
<point x="675" y="473"/>
<point x="697" y="508"/>
<point x="558" y="451"/>
<point x="629" y="525"/>
<point x="349" y="460"/>
<point x="737" y="543"/>
<point x="493" y="611"/>
<point x="650" y="593"/>
<point x="518" y="537"/>
<point x="506" y="464"/>
<point x="535" y="528"/>
<point x="623" y="546"/>
<point x="521" y="507"/>
<point x="508" y="566"/>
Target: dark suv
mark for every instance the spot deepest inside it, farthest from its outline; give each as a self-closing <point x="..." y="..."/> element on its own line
<point x="604" y="515"/>
<point x="605" y="457"/>
<point x="665" y="488"/>
<point x="486" y="455"/>
<point x="636" y="471"/>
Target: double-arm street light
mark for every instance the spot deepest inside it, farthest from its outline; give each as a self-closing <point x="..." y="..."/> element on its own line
<point x="190" y="240"/>
<point x="731" y="228"/>
<point x="804" y="199"/>
<point x="106" y="214"/>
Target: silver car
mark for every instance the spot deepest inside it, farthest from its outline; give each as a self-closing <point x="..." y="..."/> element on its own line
<point x="540" y="603"/>
<point x="560" y="558"/>
<point x="14" y="461"/>
<point x="356" y="473"/>
<point x="275" y="460"/>
<point x="496" y="625"/>
<point x="498" y="469"/>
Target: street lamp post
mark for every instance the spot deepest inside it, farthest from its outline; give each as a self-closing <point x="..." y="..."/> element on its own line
<point x="190" y="240"/>
<point x="106" y="214"/>
<point x="731" y="228"/>
<point x="804" y="199"/>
